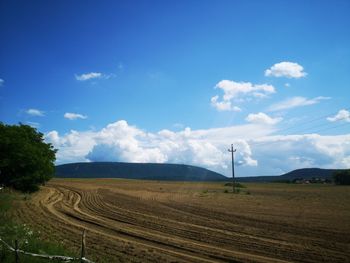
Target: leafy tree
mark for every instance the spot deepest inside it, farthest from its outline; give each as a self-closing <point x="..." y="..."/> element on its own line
<point x="342" y="177"/>
<point x="26" y="161"/>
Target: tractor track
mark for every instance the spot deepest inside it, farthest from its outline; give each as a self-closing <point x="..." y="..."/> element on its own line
<point x="132" y="229"/>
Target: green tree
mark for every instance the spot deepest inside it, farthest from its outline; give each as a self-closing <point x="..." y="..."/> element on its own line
<point x="342" y="177"/>
<point x="26" y="161"/>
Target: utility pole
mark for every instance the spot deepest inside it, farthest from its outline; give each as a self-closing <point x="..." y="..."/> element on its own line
<point x="233" y="167"/>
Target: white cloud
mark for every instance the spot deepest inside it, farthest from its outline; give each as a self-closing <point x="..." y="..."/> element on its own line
<point x="88" y="76"/>
<point x="262" y="118"/>
<point x="279" y="154"/>
<point x="53" y="137"/>
<point x="341" y="115"/>
<point x="74" y="116"/>
<point x="223" y="105"/>
<point x="238" y="91"/>
<point x="233" y="89"/>
<point x="295" y="102"/>
<point x="258" y="151"/>
<point x="260" y="95"/>
<point x="73" y="146"/>
<point x="35" y="112"/>
<point x="120" y="141"/>
<point x="2" y="82"/>
<point x="94" y="75"/>
<point x="286" y="69"/>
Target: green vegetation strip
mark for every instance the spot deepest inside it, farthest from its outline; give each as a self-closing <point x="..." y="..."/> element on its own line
<point x="50" y="257"/>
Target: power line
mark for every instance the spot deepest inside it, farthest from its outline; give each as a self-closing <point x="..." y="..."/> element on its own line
<point x="317" y="131"/>
<point x="329" y="128"/>
<point x="311" y="121"/>
<point x="309" y="128"/>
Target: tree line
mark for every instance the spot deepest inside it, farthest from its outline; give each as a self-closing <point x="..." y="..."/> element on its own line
<point x="342" y="177"/>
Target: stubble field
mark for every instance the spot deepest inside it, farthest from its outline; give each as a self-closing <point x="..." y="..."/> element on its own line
<point x="149" y="221"/>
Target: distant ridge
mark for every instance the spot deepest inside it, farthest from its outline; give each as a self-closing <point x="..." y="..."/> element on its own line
<point x="305" y="173"/>
<point x="148" y="171"/>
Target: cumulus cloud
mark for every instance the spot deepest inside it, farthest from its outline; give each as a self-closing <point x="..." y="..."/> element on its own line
<point x="286" y="69"/>
<point x="88" y="76"/>
<point x="53" y="137"/>
<point x="235" y="91"/>
<point x="74" y="116"/>
<point x="35" y="112"/>
<point x="279" y="154"/>
<point x="295" y="102"/>
<point x="259" y="152"/>
<point x="262" y="118"/>
<point x="2" y="82"/>
<point x="73" y="146"/>
<point x="342" y="115"/>
<point x="223" y="105"/>
<point x="120" y="141"/>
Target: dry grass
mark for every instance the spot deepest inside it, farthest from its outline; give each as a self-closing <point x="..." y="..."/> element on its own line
<point x="148" y="221"/>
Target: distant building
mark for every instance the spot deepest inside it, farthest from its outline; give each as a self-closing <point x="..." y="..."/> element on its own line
<point x="313" y="180"/>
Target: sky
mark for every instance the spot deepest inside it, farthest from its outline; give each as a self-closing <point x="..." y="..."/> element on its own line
<point x="180" y="81"/>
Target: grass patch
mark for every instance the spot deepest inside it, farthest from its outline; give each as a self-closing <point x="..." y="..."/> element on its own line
<point x="28" y="239"/>
<point x="237" y="185"/>
<point x="239" y="188"/>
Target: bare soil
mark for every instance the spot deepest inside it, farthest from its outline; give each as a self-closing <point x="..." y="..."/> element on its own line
<point x="149" y="221"/>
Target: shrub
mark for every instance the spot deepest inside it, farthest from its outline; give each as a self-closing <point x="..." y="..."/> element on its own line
<point x="237" y="185"/>
<point x="342" y="177"/>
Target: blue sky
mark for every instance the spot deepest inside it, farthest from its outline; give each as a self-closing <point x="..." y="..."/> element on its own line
<point x="179" y="81"/>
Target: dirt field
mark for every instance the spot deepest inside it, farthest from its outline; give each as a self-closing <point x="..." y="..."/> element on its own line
<point x="145" y="221"/>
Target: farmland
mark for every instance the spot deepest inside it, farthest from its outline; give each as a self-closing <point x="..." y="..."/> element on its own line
<point x="155" y="221"/>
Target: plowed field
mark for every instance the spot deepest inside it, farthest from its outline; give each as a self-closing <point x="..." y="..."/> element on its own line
<point x="145" y="221"/>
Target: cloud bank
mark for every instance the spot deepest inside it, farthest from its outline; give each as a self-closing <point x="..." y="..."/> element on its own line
<point x="269" y="154"/>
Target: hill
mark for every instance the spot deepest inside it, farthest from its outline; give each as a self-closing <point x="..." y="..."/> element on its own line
<point x="305" y="173"/>
<point x="148" y="171"/>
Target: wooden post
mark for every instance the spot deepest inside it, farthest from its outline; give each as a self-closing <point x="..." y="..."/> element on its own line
<point x="82" y="247"/>
<point x="16" y="251"/>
